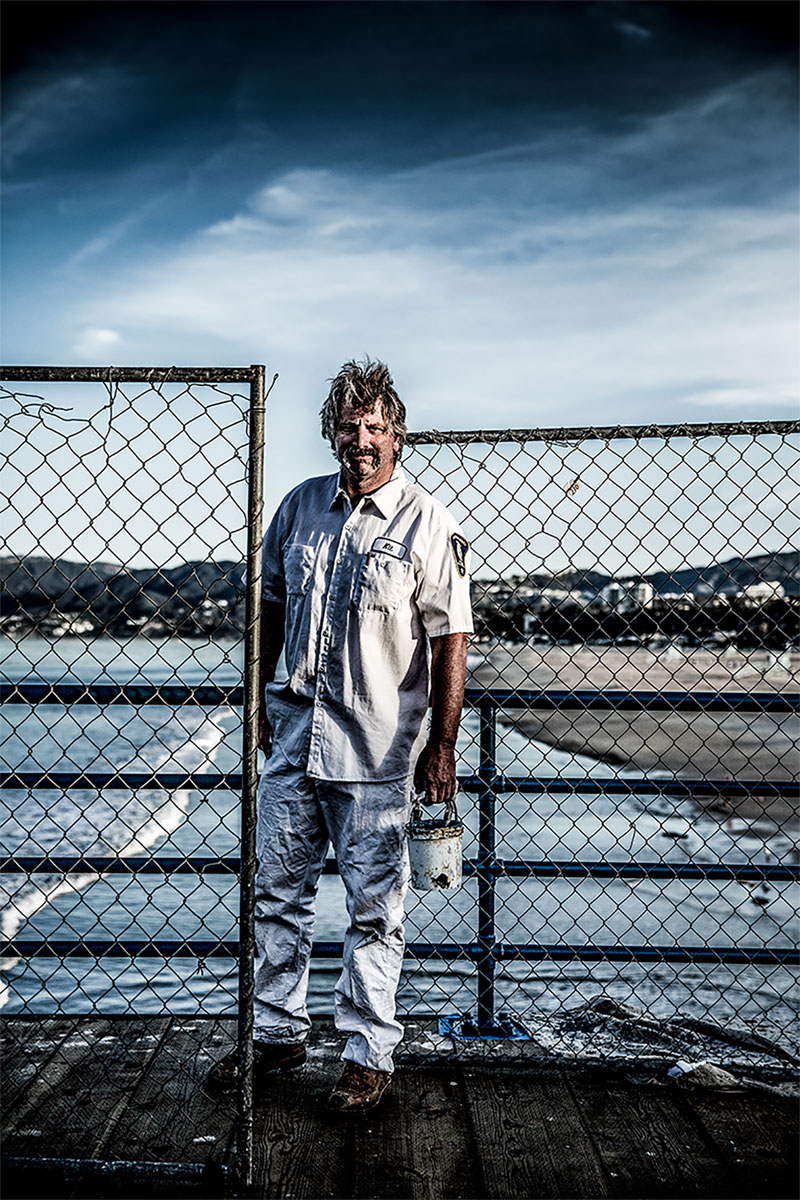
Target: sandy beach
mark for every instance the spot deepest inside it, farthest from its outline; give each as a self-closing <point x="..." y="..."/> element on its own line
<point x="714" y="746"/>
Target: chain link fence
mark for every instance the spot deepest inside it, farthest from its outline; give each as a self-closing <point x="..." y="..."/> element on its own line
<point x="629" y="754"/>
<point x="127" y="765"/>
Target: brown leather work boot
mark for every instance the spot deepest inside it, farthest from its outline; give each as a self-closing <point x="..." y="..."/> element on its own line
<point x="267" y="1056"/>
<point x="359" y="1089"/>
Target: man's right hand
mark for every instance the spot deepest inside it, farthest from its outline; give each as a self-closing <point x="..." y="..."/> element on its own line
<point x="265" y="734"/>
<point x="273" y="620"/>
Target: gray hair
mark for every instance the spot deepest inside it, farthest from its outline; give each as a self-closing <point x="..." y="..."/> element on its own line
<point x="364" y="384"/>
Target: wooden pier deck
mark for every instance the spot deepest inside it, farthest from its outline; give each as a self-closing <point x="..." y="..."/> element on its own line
<point x="88" y="1101"/>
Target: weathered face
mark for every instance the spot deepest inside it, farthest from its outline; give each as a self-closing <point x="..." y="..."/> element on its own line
<point x="365" y="447"/>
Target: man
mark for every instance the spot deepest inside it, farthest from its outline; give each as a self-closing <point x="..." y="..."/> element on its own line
<point x="365" y="584"/>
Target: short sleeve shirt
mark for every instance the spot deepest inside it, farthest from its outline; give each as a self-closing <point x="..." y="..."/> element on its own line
<point x="365" y="587"/>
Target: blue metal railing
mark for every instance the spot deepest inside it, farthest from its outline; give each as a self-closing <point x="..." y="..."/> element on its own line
<point x="487" y="784"/>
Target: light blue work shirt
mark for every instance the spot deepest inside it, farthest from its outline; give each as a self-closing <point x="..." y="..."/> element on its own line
<point x="365" y="587"/>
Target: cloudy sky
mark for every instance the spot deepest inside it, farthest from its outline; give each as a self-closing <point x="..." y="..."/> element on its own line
<point x="537" y="213"/>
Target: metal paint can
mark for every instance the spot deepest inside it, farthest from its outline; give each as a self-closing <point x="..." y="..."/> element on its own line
<point x="434" y="852"/>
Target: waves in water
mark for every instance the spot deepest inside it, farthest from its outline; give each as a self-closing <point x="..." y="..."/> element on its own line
<point x="86" y="821"/>
<point x="117" y="821"/>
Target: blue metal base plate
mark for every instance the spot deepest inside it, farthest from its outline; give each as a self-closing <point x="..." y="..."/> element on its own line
<point x="462" y="1025"/>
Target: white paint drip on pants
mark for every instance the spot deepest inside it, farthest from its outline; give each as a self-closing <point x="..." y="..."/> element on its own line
<point x="297" y="818"/>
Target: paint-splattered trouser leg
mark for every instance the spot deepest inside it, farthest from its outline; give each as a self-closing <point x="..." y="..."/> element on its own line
<point x="291" y="842"/>
<point x="366" y="823"/>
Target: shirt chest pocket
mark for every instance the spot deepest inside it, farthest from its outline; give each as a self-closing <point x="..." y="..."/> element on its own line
<point x="383" y="584"/>
<point x="298" y="567"/>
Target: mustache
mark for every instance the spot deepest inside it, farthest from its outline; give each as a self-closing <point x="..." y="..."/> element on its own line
<point x="354" y="455"/>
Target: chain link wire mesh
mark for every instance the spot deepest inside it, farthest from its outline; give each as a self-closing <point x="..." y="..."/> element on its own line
<point x="122" y="630"/>
<point x="629" y="755"/>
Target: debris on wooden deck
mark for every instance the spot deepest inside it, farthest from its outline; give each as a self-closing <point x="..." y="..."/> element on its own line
<point x="117" y="1107"/>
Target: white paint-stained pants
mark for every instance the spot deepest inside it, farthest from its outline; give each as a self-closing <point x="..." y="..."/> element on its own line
<point x="297" y="817"/>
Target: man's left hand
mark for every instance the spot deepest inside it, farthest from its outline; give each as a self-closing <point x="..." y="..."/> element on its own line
<point x="435" y="773"/>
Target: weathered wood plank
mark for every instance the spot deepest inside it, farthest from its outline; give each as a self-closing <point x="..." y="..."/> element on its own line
<point x="170" y="1115"/>
<point x="300" y="1150"/>
<point x="26" y="1048"/>
<point x="757" y="1134"/>
<point x="75" y="1050"/>
<point x="93" y="1073"/>
<point x="530" y="1135"/>
<point x="82" y="1179"/>
<point x="133" y="1088"/>
<point x="418" y="1144"/>
<point x="648" y="1145"/>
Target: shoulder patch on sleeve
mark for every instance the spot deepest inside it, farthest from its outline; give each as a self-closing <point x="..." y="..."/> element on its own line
<point x="459" y="546"/>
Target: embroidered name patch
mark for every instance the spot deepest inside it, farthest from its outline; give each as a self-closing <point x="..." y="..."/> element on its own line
<point x="387" y="546"/>
<point x="460" y="546"/>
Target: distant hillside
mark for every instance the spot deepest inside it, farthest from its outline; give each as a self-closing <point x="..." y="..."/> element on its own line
<point x="194" y="597"/>
<point x="720" y="578"/>
<point x="571" y="580"/>
<point x="734" y="575"/>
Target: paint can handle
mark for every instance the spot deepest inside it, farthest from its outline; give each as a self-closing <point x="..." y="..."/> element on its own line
<point x="450" y="809"/>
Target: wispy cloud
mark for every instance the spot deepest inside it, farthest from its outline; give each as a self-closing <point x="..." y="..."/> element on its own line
<point x="632" y="29"/>
<point x="479" y="279"/>
<point x="96" y="344"/>
<point x="773" y="396"/>
<point x="53" y="108"/>
<point x="110" y="235"/>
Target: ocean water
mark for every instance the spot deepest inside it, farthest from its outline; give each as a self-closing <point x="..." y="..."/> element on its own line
<point x="187" y="906"/>
<point x="127" y="823"/>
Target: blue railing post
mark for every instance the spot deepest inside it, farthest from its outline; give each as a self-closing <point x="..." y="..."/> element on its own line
<point x="486" y="847"/>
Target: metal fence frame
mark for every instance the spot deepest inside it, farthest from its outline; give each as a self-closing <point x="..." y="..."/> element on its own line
<point x="245" y="782"/>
